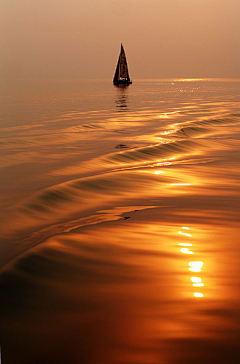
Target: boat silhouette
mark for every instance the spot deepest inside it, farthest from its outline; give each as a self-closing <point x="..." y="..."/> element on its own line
<point x="121" y="76"/>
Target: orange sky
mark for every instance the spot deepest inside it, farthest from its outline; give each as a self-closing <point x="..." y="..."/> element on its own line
<point x="81" y="38"/>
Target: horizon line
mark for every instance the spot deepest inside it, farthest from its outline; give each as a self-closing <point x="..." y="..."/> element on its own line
<point x="135" y="79"/>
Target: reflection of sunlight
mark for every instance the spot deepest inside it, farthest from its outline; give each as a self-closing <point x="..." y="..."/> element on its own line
<point x="172" y="112"/>
<point x="186" y="234"/>
<point x="198" y="284"/>
<point x="180" y="184"/>
<point x="190" y="79"/>
<point x="168" y="132"/>
<point x="186" y="251"/>
<point x="198" y="294"/>
<point x="162" y="116"/>
<point x="164" y="164"/>
<point x="196" y="279"/>
<point x="158" y="172"/>
<point x="195" y="266"/>
<point x="184" y="244"/>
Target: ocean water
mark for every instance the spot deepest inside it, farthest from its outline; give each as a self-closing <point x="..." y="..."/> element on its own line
<point x="120" y="234"/>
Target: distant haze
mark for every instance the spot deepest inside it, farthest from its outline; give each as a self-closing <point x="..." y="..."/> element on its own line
<point x="81" y="38"/>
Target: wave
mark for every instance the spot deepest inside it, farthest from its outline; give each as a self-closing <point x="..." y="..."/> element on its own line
<point x="125" y="176"/>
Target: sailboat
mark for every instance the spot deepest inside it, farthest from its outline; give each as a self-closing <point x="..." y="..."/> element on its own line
<point x="121" y="76"/>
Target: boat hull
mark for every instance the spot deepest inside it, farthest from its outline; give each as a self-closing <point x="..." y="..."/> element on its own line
<point x="122" y="82"/>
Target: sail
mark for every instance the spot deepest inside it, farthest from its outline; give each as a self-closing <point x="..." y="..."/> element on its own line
<point x="123" y="65"/>
<point x="121" y="76"/>
<point x="116" y="76"/>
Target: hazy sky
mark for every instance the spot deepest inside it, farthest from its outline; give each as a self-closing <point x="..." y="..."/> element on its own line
<point x="81" y="38"/>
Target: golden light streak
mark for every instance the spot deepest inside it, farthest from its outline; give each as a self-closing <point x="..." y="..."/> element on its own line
<point x="158" y="172"/>
<point x="196" y="279"/>
<point x="195" y="270"/>
<point x="184" y="244"/>
<point x="198" y="284"/>
<point x="186" y="251"/>
<point x="186" y="234"/>
<point x="180" y="184"/>
<point x="167" y="132"/>
<point x="195" y="266"/>
<point x="198" y="294"/>
<point x="172" y="112"/>
<point x="185" y="228"/>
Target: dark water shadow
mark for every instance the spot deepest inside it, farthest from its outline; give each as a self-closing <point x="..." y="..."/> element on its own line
<point x="122" y="99"/>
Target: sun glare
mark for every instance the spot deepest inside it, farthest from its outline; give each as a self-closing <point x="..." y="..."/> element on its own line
<point x="158" y="172"/>
<point x="195" y="266"/>
<point x="186" y="251"/>
<point x="198" y="294"/>
<point x="186" y="234"/>
<point x="184" y="244"/>
<point x="196" y="279"/>
<point x="198" y="284"/>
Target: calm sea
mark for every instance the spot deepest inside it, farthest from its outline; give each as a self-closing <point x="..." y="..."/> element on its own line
<point x="120" y="234"/>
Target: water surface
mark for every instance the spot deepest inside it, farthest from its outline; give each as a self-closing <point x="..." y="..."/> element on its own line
<point x="120" y="221"/>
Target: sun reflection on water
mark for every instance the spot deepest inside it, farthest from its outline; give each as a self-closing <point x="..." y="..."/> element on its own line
<point x="180" y="184"/>
<point x="194" y="266"/>
<point x="158" y="172"/>
<point x="164" y="164"/>
<point x="196" y="279"/>
<point x="198" y="294"/>
<point x="186" y="251"/>
<point x="198" y="284"/>
<point x="186" y="234"/>
<point x="185" y="244"/>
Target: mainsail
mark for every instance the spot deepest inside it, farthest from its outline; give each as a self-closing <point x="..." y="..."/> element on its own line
<point x="121" y="76"/>
<point x="123" y="64"/>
